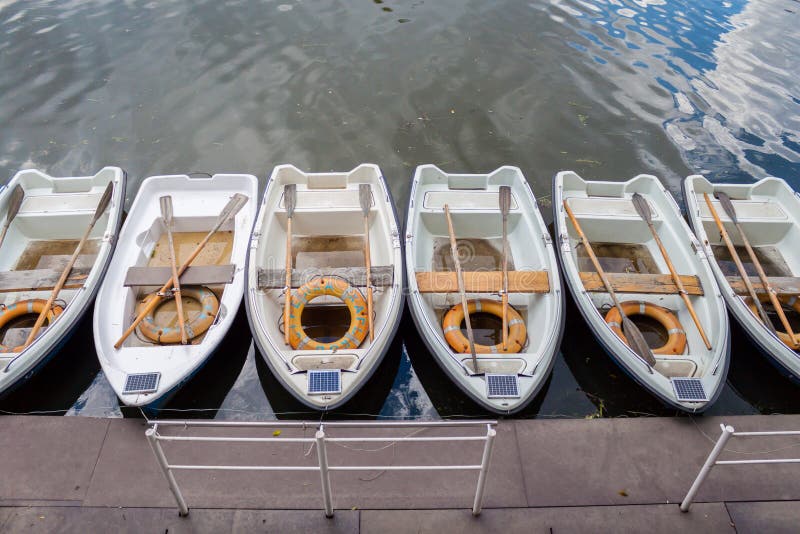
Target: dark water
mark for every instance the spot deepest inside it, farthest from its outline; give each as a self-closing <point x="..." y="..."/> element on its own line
<point x="608" y="89"/>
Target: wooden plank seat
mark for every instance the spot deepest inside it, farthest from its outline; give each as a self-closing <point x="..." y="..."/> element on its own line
<point x="40" y="279"/>
<point x="641" y="283"/>
<point x="381" y="275"/>
<point x="483" y="281"/>
<point x="193" y="276"/>
<point x="783" y="285"/>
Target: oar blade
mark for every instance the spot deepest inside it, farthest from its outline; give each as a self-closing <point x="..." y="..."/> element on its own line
<point x="365" y="198"/>
<point x="727" y="205"/>
<point x="234" y="205"/>
<point x="505" y="199"/>
<point x="642" y="208"/>
<point x="17" y="195"/>
<point x="637" y="342"/>
<point x="166" y="209"/>
<point x="104" y="201"/>
<point x="290" y="198"/>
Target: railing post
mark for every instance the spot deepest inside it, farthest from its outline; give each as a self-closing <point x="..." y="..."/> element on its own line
<point x="322" y="455"/>
<point x="727" y="432"/>
<point x="487" y="457"/>
<point x="183" y="510"/>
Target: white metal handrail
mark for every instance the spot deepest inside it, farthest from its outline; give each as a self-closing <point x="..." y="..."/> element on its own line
<point x="727" y="433"/>
<point x="320" y="440"/>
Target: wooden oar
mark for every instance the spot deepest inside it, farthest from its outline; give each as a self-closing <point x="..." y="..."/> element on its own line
<point x="505" y="206"/>
<point x="101" y="208"/>
<point x="365" y="198"/>
<point x="643" y="209"/>
<point x="230" y="210"/>
<point x="289" y="202"/>
<point x="461" y="288"/>
<point x="727" y="205"/>
<point x="735" y="256"/>
<point x="17" y="195"/>
<point x="632" y="333"/>
<point x="166" y="215"/>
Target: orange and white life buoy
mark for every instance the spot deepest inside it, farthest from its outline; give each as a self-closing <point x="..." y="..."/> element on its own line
<point x="792" y="301"/>
<point x="676" y="342"/>
<point x="335" y="287"/>
<point x="201" y="322"/>
<point x="22" y="308"/>
<point x="517" y="333"/>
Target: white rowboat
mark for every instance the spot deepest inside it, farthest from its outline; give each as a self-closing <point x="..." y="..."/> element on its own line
<point x="142" y="371"/>
<point x="54" y="215"/>
<point x="769" y="213"/>
<point x="502" y="382"/>
<point x="328" y="365"/>
<point x="691" y="379"/>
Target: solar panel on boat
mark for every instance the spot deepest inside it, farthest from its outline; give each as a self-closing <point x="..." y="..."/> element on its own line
<point x="141" y="383"/>
<point x="502" y="386"/>
<point x="689" y="389"/>
<point x="324" y="381"/>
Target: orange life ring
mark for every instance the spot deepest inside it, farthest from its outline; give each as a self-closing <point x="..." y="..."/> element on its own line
<point x="451" y="325"/>
<point x="199" y="324"/>
<point x="793" y="301"/>
<point x="335" y="287"/>
<point x="26" y="307"/>
<point x="676" y="342"/>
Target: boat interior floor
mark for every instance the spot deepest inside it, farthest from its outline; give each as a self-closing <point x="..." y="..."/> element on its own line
<point x="37" y="269"/>
<point x="769" y="256"/>
<point x="216" y="252"/>
<point x="326" y="318"/>
<point x="618" y="258"/>
<point x="634" y="258"/>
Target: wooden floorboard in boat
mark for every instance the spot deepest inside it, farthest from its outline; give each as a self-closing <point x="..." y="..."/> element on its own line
<point x="483" y="281"/>
<point x="196" y="275"/>
<point x="40" y="279"/>
<point x="641" y="283"/>
<point x="382" y="275"/>
<point x="783" y="285"/>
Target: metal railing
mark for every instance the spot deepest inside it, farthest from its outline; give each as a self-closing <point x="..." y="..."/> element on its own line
<point x="320" y="440"/>
<point x="727" y="433"/>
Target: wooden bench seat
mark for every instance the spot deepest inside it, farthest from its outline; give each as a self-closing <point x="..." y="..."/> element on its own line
<point x="40" y="279"/>
<point x="381" y="275"/>
<point x="641" y="283"/>
<point x="483" y="281"/>
<point x="192" y="276"/>
<point x="783" y="285"/>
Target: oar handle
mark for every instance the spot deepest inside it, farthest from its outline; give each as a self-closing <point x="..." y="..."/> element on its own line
<point x="287" y="303"/>
<point x="767" y="286"/>
<point x="157" y="298"/>
<point x="738" y="262"/>
<point x="173" y="259"/>
<point x="151" y="305"/>
<point x="679" y="284"/>
<point x="368" y="262"/>
<point x="461" y="287"/>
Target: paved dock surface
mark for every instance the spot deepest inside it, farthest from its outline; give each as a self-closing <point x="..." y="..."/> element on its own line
<point x="72" y="474"/>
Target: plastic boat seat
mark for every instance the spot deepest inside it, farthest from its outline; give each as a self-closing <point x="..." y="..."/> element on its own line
<point x="746" y="210"/>
<point x="465" y="200"/>
<point x="608" y="208"/>
<point x="38" y="204"/>
<point x="672" y="366"/>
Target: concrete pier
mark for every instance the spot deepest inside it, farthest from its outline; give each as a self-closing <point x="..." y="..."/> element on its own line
<point x="72" y="474"/>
